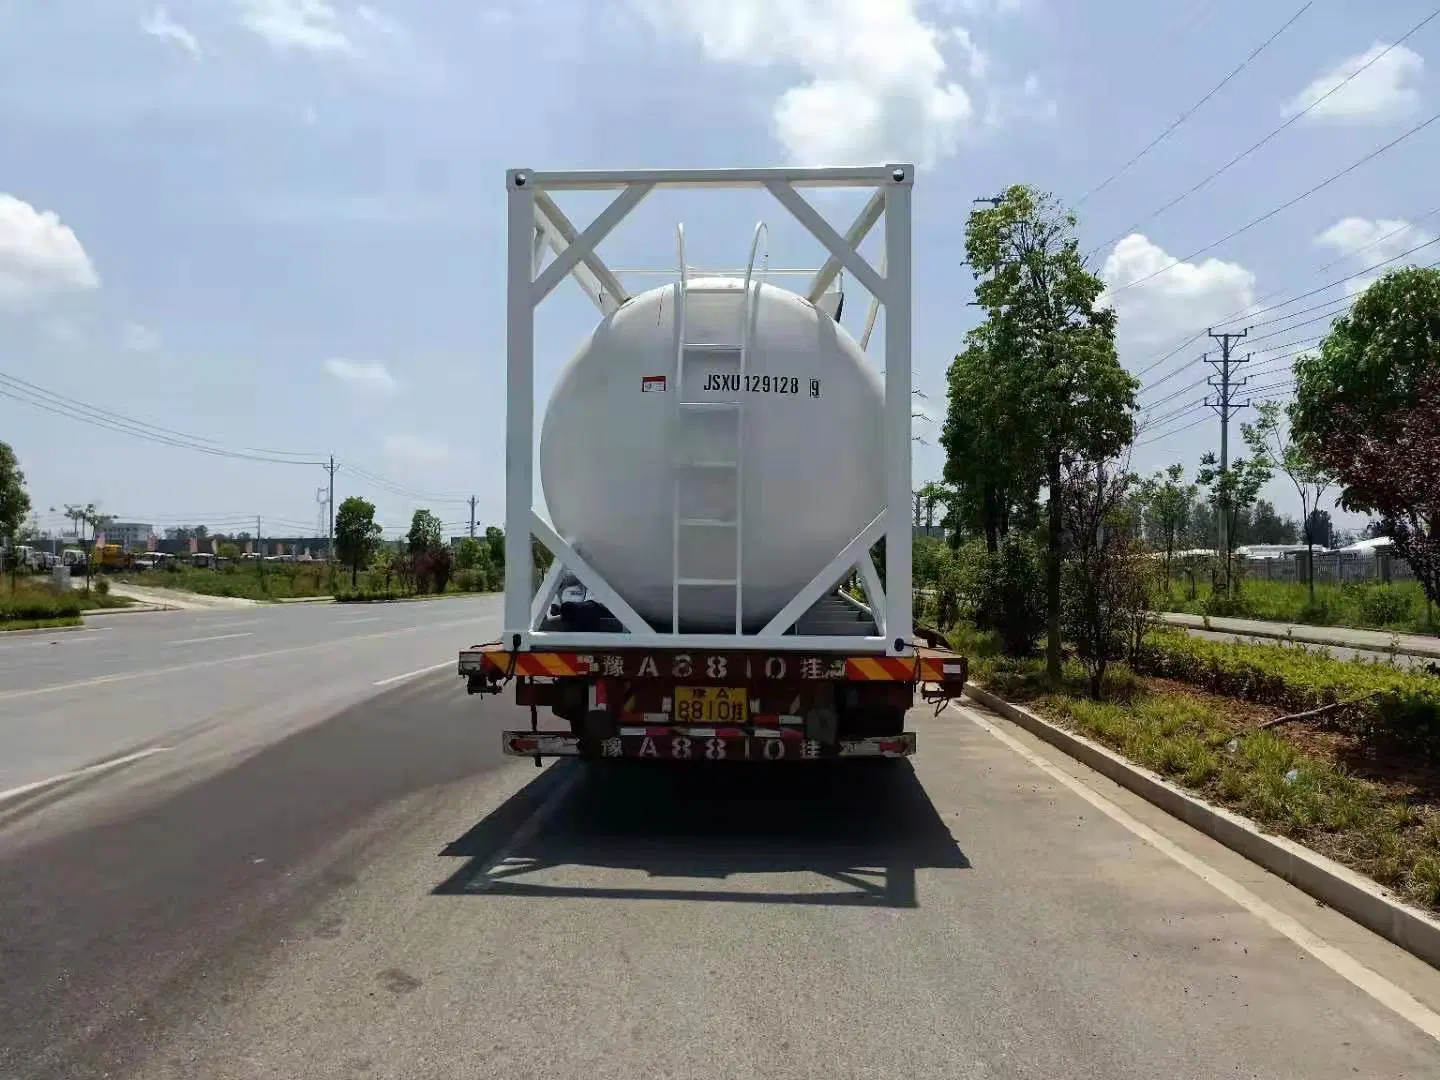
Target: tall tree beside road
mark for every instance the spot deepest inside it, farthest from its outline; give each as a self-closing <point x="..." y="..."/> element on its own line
<point x="1167" y="502"/>
<point x="1057" y="387"/>
<point x="984" y="443"/>
<point x="1271" y="438"/>
<point x="357" y="534"/>
<point x="14" y="503"/>
<point x="1366" y="409"/>
<point x="425" y="533"/>
<point x="1232" y="492"/>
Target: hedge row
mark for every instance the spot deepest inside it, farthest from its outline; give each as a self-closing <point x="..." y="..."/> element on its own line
<point x="1384" y="704"/>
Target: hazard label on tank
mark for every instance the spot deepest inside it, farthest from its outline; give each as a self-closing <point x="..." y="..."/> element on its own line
<point x="652" y="384"/>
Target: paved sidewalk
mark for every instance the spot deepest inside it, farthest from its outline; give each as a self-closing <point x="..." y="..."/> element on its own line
<point x="1337" y="636"/>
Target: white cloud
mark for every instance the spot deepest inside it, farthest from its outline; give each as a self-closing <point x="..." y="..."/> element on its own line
<point x="876" y="83"/>
<point x="39" y="256"/>
<point x="371" y="377"/>
<point x="1028" y="101"/>
<point x="415" y="449"/>
<point x="1174" y="305"/>
<point x="140" y="339"/>
<point x="1371" y="245"/>
<point x="159" y="24"/>
<point x="304" y="25"/>
<point x="1387" y="88"/>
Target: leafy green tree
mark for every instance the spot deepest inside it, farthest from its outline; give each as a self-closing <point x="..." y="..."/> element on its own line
<point x="425" y="533"/>
<point x="14" y="500"/>
<point x="1057" y="390"/>
<point x="985" y="458"/>
<point x="357" y="534"/>
<point x="468" y="554"/>
<point x="495" y="548"/>
<point x="1231" y="491"/>
<point x="1272" y="438"/>
<point x="1365" y="410"/>
<point x="1167" y="505"/>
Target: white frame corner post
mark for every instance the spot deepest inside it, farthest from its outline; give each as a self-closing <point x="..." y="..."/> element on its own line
<point x="898" y="377"/>
<point x="535" y="223"/>
<point x="519" y="405"/>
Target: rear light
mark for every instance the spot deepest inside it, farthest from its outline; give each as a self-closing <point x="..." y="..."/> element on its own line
<point x="524" y="745"/>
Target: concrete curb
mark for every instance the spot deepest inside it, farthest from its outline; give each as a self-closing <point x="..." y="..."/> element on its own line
<point x="129" y="609"/>
<point x="28" y="631"/>
<point x="1196" y="622"/>
<point x="1329" y="882"/>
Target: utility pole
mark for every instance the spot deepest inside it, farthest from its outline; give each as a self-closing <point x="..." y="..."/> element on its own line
<point x="330" y="533"/>
<point x="472" y="517"/>
<point x="1225" y="405"/>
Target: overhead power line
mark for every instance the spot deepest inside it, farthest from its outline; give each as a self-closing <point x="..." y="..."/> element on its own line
<point x="1193" y="108"/>
<point x="59" y="404"/>
<point x="1371" y="156"/>
<point x="1242" y="155"/>
<point x="1252" y="311"/>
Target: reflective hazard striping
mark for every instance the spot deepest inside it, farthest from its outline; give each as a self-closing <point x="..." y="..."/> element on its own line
<point x="941" y="669"/>
<point x="880" y="668"/>
<point x="539" y="663"/>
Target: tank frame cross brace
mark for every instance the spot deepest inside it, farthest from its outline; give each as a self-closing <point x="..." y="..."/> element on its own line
<point x="536" y="224"/>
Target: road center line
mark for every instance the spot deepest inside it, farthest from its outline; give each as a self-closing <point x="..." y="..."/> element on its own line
<point x="212" y="637"/>
<point x="1342" y="963"/>
<point x="195" y="665"/>
<point x="417" y="671"/>
<point x="89" y="770"/>
<point x="352" y="622"/>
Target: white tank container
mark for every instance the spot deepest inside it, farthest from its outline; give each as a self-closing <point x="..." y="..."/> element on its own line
<point x="615" y="439"/>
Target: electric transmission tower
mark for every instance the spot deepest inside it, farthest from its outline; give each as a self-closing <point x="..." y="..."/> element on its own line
<point x="1224" y="383"/>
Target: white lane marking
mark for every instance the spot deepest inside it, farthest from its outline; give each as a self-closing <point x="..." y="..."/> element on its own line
<point x="212" y="637"/>
<point x="420" y="671"/>
<point x="89" y="770"/>
<point x="195" y="665"/>
<point x="352" y="622"/>
<point x="528" y="828"/>
<point x="1342" y="963"/>
<point x="232" y="625"/>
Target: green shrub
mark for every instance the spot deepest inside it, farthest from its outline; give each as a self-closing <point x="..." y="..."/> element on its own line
<point x="1383" y="605"/>
<point x="1389" y="705"/>
<point x="30" y="602"/>
<point x="1010" y="596"/>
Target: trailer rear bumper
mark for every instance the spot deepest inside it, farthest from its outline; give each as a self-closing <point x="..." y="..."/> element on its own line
<point x="680" y="743"/>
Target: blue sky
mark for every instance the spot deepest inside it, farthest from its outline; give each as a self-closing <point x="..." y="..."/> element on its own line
<point x="279" y="224"/>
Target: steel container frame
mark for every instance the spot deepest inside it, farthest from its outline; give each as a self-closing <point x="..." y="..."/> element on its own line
<point x="535" y="224"/>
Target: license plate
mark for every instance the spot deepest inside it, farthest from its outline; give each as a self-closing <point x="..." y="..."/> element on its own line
<point x="714" y="748"/>
<point x="722" y="705"/>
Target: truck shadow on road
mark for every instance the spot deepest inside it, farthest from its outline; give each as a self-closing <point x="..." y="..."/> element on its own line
<point x="846" y="835"/>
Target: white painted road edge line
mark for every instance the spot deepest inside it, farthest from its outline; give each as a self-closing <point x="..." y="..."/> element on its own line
<point x="89" y="770"/>
<point x="212" y="637"/>
<point x="419" y="671"/>
<point x="1342" y="963"/>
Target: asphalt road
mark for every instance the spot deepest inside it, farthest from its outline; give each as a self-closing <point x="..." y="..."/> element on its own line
<point x="362" y="887"/>
<point x="131" y="681"/>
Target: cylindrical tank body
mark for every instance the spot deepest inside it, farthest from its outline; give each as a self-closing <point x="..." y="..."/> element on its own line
<point x="619" y="439"/>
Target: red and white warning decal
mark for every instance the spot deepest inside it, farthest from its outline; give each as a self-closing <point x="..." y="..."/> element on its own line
<point x="652" y="384"/>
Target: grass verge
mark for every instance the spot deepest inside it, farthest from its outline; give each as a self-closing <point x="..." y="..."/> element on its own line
<point x="1399" y="606"/>
<point x="1342" y="789"/>
<point x="40" y="624"/>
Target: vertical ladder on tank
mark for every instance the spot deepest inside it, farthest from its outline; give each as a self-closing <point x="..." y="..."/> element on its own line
<point x="731" y="354"/>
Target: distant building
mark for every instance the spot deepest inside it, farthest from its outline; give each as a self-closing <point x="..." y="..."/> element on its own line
<point x="128" y="534"/>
